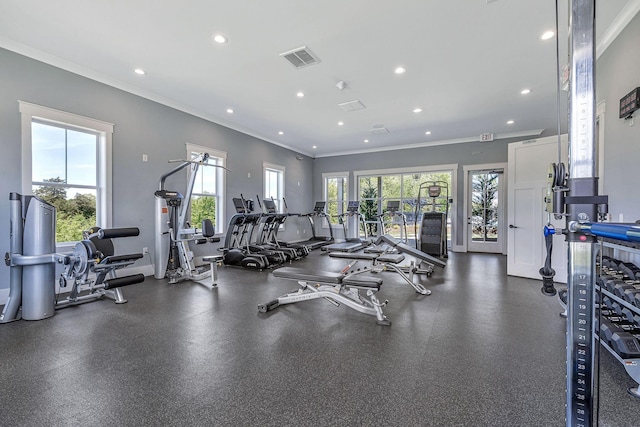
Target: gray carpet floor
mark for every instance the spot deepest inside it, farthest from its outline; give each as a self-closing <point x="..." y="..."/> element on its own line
<point x="483" y="350"/>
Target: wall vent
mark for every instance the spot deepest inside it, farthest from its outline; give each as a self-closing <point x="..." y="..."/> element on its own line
<point x="300" y="57"/>
<point x="378" y="129"/>
<point x="352" y="106"/>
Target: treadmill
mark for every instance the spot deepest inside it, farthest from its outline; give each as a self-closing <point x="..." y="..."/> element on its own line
<point x="316" y="241"/>
<point x="351" y="244"/>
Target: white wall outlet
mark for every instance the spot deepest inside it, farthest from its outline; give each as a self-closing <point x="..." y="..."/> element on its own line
<point x="145" y="158"/>
<point x="620" y="218"/>
<point x="145" y="250"/>
<point x="248" y="174"/>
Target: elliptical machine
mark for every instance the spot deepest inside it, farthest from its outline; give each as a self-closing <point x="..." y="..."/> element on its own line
<point x="238" y="249"/>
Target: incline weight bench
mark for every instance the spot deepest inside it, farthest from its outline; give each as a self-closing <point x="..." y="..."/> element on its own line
<point x="334" y="287"/>
<point x="404" y="248"/>
<point x="382" y="262"/>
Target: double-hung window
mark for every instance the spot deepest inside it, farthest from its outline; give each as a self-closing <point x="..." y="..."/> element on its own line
<point x="336" y="193"/>
<point x="274" y="184"/>
<point x="66" y="160"/>
<point x="207" y="198"/>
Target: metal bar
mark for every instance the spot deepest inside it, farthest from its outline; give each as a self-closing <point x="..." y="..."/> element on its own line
<point x="581" y="344"/>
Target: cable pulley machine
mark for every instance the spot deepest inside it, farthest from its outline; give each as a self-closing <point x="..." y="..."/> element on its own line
<point x="172" y="257"/>
<point x="574" y="196"/>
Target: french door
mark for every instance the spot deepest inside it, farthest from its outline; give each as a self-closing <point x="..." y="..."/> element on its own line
<point x="485" y="192"/>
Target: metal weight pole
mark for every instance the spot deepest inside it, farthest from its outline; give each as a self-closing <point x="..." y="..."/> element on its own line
<point x="581" y="207"/>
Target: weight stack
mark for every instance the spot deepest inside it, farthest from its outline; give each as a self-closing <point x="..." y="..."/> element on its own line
<point x="433" y="233"/>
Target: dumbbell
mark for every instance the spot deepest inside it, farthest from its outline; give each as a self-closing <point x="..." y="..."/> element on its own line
<point x="626" y="345"/>
<point x="607" y="329"/>
<point x="629" y="269"/>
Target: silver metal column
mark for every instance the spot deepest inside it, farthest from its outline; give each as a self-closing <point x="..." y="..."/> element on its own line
<point x="581" y="346"/>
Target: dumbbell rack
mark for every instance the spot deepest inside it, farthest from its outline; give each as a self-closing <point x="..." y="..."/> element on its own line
<point x="631" y="364"/>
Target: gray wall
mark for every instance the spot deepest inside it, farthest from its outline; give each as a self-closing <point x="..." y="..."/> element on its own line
<point x="141" y="127"/>
<point x="617" y="74"/>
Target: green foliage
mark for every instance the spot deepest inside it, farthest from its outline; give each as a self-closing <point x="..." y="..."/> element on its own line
<point x="72" y="215"/>
<point x="203" y="207"/>
<point x="369" y="209"/>
<point x="484" y="204"/>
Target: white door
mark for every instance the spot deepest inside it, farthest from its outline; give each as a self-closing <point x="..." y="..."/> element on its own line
<point x="527" y="183"/>
<point x="484" y="210"/>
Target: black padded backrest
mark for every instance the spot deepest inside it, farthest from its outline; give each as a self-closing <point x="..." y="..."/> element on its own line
<point x="103" y="245"/>
<point x="207" y="228"/>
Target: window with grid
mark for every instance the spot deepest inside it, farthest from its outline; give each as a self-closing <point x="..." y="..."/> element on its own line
<point x="67" y="162"/>
<point x="207" y="198"/>
<point x="336" y="193"/>
<point x="274" y="184"/>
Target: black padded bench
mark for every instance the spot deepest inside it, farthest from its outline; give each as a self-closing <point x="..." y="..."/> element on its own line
<point x="382" y="262"/>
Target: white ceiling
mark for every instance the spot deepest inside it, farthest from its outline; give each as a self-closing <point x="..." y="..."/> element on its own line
<point x="466" y="62"/>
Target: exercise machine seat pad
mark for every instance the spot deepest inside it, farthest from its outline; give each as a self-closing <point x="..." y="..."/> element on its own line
<point x="309" y="276"/>
<point x="391" y="258"/>
<point x="357" y="281"/>
<point x="359" y="256"/>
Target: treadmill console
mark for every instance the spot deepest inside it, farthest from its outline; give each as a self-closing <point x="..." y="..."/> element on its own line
<point x="270" y="206"/>
<point x="393" y="206"/>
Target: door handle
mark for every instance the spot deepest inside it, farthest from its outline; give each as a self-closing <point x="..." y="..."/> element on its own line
<point x="512" y="226"/>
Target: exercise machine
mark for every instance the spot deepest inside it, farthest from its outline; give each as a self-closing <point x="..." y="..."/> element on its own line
<point x="394" y="215"/>
<point x="272" y="225"/>
<point x="173" y="257"/>
<point x="337" y="288"/>
<point x="239" y="249"/>
<point x="354" y="243"/>
<point x="378" y="263"/>
<point x="431" y="226"/>
<point x="90" y="268"/>
<point x="316" y="219"/>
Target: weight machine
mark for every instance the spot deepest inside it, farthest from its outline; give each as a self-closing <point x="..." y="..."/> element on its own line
<point x="173" y="257"/>
<point x="574" y="196"/>
<point x="32" y="260"/>
<point x="430" y="230"/>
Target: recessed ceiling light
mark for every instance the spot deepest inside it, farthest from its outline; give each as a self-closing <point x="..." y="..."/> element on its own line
<point x="547" y="35"/>
<point x="428" y="132"/>
<point x="366" y="140"/>
<point x="525" y="91"/>
<point x="300" y="94"/>
<point x="139" y="71"/>
<point x="510" y="122"/>
<point x="230" y="110"/>
<point x="219" y="38"/>
<point x="340" y="123"/>
<point x="280" y="133"/>
<point x="400" y="70"/>
<point x="417" y="110"/>
<point x="314" y="147"/>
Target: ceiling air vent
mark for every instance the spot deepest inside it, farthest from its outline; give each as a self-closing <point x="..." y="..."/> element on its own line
<point x="300" y="57"/>
<point x="378" y="129"/>
<point x="352" y="106"/>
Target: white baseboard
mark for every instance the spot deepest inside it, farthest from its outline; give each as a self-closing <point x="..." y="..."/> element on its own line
<point x="458" y="248"/>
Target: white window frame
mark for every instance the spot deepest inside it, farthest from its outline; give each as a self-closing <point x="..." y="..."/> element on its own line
<point x="220" y="191"/>
<point x="280" y="170"/>
<point x="104" y="130"/>
<point x="325" y="193"/>
<point x="451" y="167"/>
